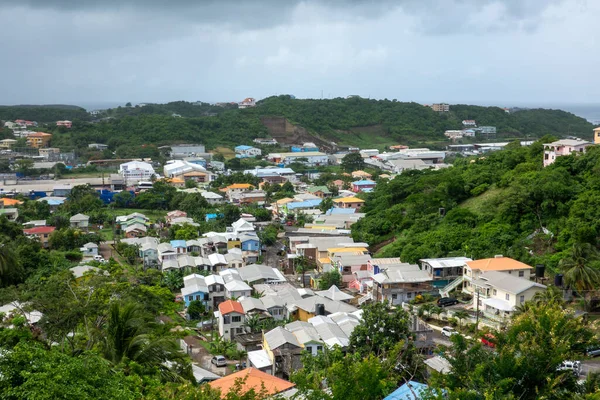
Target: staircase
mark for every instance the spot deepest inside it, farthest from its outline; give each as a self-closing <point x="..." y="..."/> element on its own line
<point x="445" y="291"/>
<point x="364" y="299"/>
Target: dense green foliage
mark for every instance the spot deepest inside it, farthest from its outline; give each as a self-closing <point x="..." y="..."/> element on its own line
<point x="139" y="131"/>
<point x="502" y="203"/>
<point x="45" y="114"/>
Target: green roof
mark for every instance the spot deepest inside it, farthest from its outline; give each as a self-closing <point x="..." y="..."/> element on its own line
<point x="323" y="189"/>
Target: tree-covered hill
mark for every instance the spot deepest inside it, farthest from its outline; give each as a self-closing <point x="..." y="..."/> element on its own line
<point x="503" y="203"/>
<point x="44" y="114"/>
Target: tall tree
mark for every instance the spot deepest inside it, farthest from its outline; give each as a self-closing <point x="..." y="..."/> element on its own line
<point x="581" y="271"/>
<point x="352" y="162"/>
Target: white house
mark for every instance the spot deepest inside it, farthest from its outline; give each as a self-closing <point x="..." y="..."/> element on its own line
<point x="231" y="319"/>
<point x="136" y="171"/>
<point x="563" y="147"/>
<point x="469" y="122"/>
<point x="247" y="151"/>
<point x="499" y="293"/>
<point x="80" y="221"/>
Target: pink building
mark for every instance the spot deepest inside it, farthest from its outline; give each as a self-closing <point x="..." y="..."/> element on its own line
<point x="66" y="124"/>
<point x="563" y="147"/>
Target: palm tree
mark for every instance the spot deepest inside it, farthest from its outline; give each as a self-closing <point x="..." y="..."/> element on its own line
<point x="552" y="295"/>
<point x="127" y="338"/>
<point x="257" y="294"/>
<point x="427" y="308"/>
<point x="253" y="323"/>
<point x="10" y="268"/>
<point x="220" y="346"/>
<point x="435" y="310"/>
<point x="579" y="272"/>
<point x="460" y="315"/>
<point x="301" y="268"/>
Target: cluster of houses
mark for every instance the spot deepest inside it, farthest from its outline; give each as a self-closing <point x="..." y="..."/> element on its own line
<point x="470" y="129"/>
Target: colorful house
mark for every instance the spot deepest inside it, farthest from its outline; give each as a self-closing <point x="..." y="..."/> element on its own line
<point x="349" y="202"/>
<point x="39" y="139"/>
<point x="365" y="185"/>
<point x="42" y="233"/>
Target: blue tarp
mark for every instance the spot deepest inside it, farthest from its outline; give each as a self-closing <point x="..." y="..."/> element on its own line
<point x="404" y="392"/>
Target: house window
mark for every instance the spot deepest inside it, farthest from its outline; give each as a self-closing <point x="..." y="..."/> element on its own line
<point x="494" y="292"/>
<point x="522" y="299"/>
<point x="319" y="348"/>
<point x="236" y="318"/>
<point x="394" y="296"/>
<point x="521" y="274"/>
<point x="309" y="349"/>
<point x="190" y="298"/>
<point x="507" y="296"/>
<point x="198" y="297"/>
<point x="408" y="295"/>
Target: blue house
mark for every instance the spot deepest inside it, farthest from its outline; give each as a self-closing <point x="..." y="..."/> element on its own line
<point x="409" y="391"/>
<point x="250" y="243"/>
<point x="213" y="216"/>
<point x="179" y="246"/>
<point x="195" y="289"/>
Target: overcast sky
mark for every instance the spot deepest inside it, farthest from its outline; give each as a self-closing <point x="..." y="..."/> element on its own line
<point x="476" y="51"/>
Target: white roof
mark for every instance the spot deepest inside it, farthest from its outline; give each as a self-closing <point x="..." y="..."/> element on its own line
<point x="447" y="262"/>
<point x="214" y="279"/>
<point x="211" y="195"/>
<point x="506" y="282"/>
<point x="568" y="142"/>
<point x="279" y="336"/>
<point x="16" y="307"/>
<point x="259" y="359"/>
<point x="90" y="245"/>
<point x="499" y="304"/>
<point x="242" y="225"/>
<point x="237" y="286"/>
<point x="329" y="331"/>
<point x="216" y="259"/>
<point x="439" y="364"/>
<point x="79" y="217"/>
<point x="203" y="375"/>
<point x="334" y="293"/>
<point x="401" y="273"/>
<point x="256" y="272"/>
<point x="136" y="165"/>
<point x="251" y="304"/>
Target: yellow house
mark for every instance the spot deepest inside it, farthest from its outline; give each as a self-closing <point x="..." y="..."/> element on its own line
<point x="597" y="135"/>
<point x="39" y="139"/>
<point x="349" y="202"/>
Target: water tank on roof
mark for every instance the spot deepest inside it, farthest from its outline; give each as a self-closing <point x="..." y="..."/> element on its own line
<point x="320" y="309"/>
<point x="539" y="270"/>
<point x="558" y="280"/>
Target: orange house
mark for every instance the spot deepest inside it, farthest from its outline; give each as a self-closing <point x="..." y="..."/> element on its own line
<point x="39" y="139"/>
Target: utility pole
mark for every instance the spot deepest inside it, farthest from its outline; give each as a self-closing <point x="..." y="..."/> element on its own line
<point x="477" y="316"/>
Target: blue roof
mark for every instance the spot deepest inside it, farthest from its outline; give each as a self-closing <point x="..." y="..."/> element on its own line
<point x="303" y="204"/>
<point x="404" y="392"/>
<point x="242" y="147"/>
<point x="178" y="243"/>
<point x="364" y="182"/>
<point x="344" y="211"/>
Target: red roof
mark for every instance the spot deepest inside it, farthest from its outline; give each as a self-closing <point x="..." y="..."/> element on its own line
<point x="40" y="230"/>
<point x="230" y="306"/>
<point x="252" y="379"/>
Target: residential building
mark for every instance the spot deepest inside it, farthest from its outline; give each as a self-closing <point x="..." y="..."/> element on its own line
<point x="50" y="153"/>
<point x="253" y="197"/>
<point x="364" y="185"/>
<point x="89" y="249"/>
<point x="231" y="319"/>
<point x="472" y="269"/>
<point x="306" y="147"/>
<point x="440" y="107"/>
<point x="443" y="270"/>
<point x="596" y="135"/>
<point x="134" y="172"/>
<point x="273" y="172"/>
<point x="349" y="202"/>
<point x="399" y="282"/>
<point x="265" y="141"/>
<point x="498" y="293"/>
<point x="469" y="123"/>
<point x="319" y="191"/>
<point x="486" y="130"/>
<point x="243" y="151"/>
<point x="252" y="379"/>
<point x="80" y="221"/>
<point x="42" y="233"/>
<point x="361" y="175"/>
<point x="216" y="290"/>
<point x="247" y="103"/>
<point x="453" y="134"/>
<point x="232" y="190"/>
<point x="310" y="158"/>
<point x="66" y="124"/>
<point x="258" y="273"/>
<point x="39" y="139"/>
<point x="284" y="351"/>
<point x="7" y="143"/>
<point x="563" y="147"/>
<point x="195" y="289"/>
<point x="212" y="198"/>
<point x="186" y="170"/>
<point x="187" y="150"/>
<point x="98" y="146"/>
<point x="468" y="132"/>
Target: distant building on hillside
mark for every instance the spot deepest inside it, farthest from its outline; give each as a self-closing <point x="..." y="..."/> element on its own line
<point x="247" y="103"/>
<point x="187" y="150"/>
<point x="136" y="171"/>
<point x="440" y="107"/>
<point x="66" y="124"/>
<point x="469" y="123"/>
<point x="597" y="135"/>
<point x="486" y="130"/>
<point x="563" y="147"/>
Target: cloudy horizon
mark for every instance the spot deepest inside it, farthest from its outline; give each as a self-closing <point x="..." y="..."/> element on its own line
<point x="456" y="51"/>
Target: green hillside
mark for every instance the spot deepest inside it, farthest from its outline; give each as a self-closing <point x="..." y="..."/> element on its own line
<point x="495" y="204"/>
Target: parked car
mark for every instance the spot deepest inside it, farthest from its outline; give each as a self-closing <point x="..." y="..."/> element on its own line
<point x="593" y="351"/>
<point x="448" y="331"/>
<point x="219" y="361"/>
<point x="574" y="366"/>
<point x="488" y="340"/>
<point x="239" y="366"/>
<point x="446" y="301"/>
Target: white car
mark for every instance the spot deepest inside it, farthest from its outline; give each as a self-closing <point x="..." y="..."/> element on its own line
<point x="448" y="331"/>
<point x="574" y="366"/>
